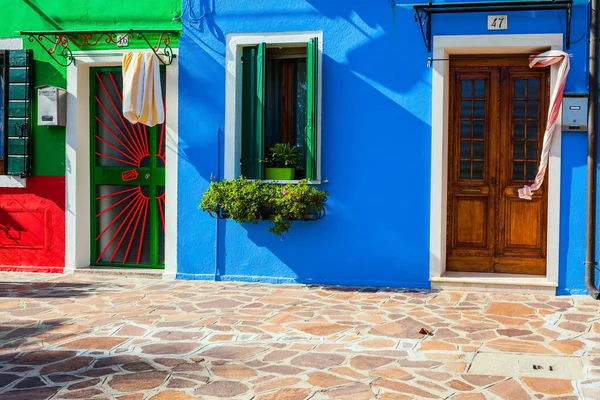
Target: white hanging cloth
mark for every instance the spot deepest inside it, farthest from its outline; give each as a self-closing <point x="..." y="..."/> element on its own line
<point x="142" y="92"/>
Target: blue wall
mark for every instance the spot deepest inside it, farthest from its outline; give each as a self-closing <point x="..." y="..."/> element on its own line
<point x="376" y="138"/>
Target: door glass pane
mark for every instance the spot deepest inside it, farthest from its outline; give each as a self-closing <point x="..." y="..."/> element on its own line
<point x="478" y="150"/>
<point x="479" y="109"/>
<point x="466" y="89"/>
<point x="477" y="170"/>
<point x="478" y="129"/>
<point x="465" y="129"/>
<point x="518" y="171"/>
<point x="532" y="151"/>
<point x="532" y="130"/>
<point x="520" y="86"/>
<point x="531" y="171"/>
<point x="532" y="109"/>
<point x="465" y="109"/>
<point x="479" y="89"/>
<point x="519" y="130"/>
<point x="533" y="89"/>
<point x="465" y="170"/>
<point x="518" y="150"/>
<point x="519" y="109"/>
<point x="465" y="149"/>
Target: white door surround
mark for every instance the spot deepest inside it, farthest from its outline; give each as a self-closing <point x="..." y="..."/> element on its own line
<point x="77" y="174"/>
<point x="444" y="47"/>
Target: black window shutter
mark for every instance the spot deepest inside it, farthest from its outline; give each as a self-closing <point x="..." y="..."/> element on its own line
<point x="19" y="110"/>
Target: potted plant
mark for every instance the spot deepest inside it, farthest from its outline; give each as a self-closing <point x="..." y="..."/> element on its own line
<point x="282" y="162"/>
<point x="252" y="201"/>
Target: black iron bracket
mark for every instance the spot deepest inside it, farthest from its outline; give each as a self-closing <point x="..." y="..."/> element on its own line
<point x="58" y="43"/>
<point x="423" y="12"/>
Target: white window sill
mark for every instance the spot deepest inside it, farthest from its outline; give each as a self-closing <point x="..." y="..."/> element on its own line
<point x="7" y="181"/>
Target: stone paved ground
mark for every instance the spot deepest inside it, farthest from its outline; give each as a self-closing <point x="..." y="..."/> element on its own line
<point x="97" y="337"/>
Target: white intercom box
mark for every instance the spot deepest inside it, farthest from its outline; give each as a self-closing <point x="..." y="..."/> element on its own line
<point x="574" y="112"/>
<point x="52" y="106"/>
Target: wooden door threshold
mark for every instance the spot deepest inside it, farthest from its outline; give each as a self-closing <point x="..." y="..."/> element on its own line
<point x="490" y="282"/>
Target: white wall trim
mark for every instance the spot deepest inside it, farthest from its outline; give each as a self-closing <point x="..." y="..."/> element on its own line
<point x="233" y="90"/>
<point x="11" y="43"/>
<point x="77" y="249"/>
<point x="7" y="181"/>
<point x="443" y="47"/>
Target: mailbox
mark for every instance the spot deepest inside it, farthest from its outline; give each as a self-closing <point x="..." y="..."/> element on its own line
<point x="574" y="112"/>
<point x="52" y="106"/>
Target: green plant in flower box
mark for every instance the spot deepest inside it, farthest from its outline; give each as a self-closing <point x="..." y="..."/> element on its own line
<point x="282" y="162"/>
<point x="251" y="201"/>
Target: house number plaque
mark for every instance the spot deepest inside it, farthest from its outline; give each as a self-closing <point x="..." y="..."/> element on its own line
<point x="497" y="22"/>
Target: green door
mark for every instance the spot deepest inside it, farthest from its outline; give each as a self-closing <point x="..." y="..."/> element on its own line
<point x="127" y="180"/>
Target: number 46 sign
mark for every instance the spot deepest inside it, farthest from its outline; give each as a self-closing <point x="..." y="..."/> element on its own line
<point x="497" y="22"/>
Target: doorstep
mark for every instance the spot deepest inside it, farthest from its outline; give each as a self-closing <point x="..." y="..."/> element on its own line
<point x="122" y="272"/>
<point x="489" y="282"/>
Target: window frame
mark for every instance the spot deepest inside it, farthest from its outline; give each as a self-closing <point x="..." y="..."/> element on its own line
<point x="10" y="181"/>
<point x="233" y="91"/>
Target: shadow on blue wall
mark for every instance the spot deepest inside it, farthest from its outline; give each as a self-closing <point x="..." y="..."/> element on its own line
<point x="375" y="152"/>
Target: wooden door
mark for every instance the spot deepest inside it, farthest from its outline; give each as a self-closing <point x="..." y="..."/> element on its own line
<point x="497" y="118"/>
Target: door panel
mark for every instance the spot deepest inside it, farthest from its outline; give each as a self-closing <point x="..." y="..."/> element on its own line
<point x="472" y="207"/>
<point x="127" y="180"/>
<point x="497" y="120"/>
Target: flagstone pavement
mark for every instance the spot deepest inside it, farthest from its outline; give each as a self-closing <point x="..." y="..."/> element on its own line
<point x="103" y="337"/>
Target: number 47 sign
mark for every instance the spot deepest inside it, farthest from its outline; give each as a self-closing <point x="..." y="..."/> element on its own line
<point x="497" y="22"/>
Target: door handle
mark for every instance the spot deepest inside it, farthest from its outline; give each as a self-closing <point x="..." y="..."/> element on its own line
<point x="147" y="176"/>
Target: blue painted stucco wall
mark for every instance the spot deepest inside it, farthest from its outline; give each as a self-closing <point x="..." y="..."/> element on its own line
<point x="376" y="139"/>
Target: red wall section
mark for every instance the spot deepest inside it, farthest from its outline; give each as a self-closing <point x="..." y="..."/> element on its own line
<point x="32" y="226"/>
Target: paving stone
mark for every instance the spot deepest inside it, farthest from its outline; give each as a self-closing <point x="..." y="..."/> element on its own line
<point x="458" y="385"/>
<point x="170" y="348"/>
<point x="137" y="381"/>
<point x="510" y="309"/>
<point x="282" y="370"/>
<point x="286" y="394"/>
<point x="179" y="335"/>
<point x="356" y="391"/>
<point x="392" y="373"/>
<point x="406" y="328"/>
<point x="178" y="383"/>
<point x="84" y="384"/>
<point x="72" y="364"/>
<point x="402" y="388"/>
<point x="222" y="389"/>
<point x="81" y="394"/>
<point x="7" y="379"/>
<point x="276" y="384"/>
<point x="436" y="345"/>
<point x="318" y="360"/>
<point x="94" y="343"/>
<point x="323" y="379"/>
<point x="514" y="332"/>
<point x="279" y="355"/>
<point x="468" y="396"/>
<point x="30" y="382"/>
<point x="481" y="380"/>
<point x="568" y="346"/>
<point x="172" y="395"/>
<point x="238" y="353"/>
<point x="518" y="346"/>
<point x="393" y="396"/>
<point x="31" y="394"/>
<point x="233" y="371"/>
<point x="549" y="386"/>
<point x="320" y="329"/>
<point x="369" y="363"/>
<point x="509" y="390"/>
<point x="45" y="357"/>
<point x="115" y="360"/>
<point x="62" y="378"/>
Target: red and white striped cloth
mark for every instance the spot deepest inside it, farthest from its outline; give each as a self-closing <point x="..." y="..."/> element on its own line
<point x="560" y="60"/>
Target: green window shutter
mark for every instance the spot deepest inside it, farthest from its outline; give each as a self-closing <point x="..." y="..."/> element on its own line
<point x="17" y="134"/>
<point x="253" y="94"/>
<point x="312" y="77"/>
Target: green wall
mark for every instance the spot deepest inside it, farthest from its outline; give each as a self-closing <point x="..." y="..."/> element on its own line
<point x="49" y="15"/>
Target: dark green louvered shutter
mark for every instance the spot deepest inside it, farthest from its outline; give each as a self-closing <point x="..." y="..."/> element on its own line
<point x="253" y="94"/>
<point x="312" y="77"/>
<point x="18" y="110"/>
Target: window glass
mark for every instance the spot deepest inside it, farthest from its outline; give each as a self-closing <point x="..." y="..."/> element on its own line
<point x="1" y="112"/>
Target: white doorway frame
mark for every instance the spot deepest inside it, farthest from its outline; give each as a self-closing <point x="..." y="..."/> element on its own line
<point x="77" y="167"/>
<point x="444" y="47"/>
